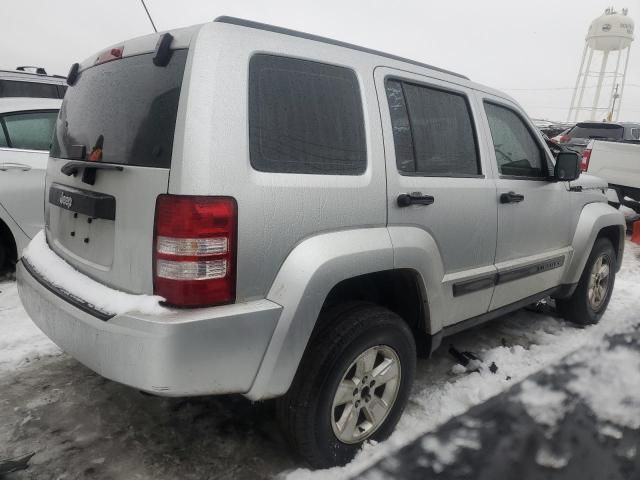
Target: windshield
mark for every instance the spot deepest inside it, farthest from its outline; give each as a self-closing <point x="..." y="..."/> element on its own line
<point x="597" y="130"/>
<point x="122" y="112"/>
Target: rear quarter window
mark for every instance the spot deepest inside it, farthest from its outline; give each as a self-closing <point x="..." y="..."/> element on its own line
<point x="14" y="88"/>
<point x="305" y="117"/>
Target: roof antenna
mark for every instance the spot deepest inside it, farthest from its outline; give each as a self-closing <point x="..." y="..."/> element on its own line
<point x="149" y="15"/>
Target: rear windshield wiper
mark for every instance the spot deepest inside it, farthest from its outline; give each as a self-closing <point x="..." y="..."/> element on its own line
<point x="88" y="169"/>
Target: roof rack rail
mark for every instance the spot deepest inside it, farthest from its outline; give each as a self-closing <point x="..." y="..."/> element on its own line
<point x="294" y="33"/>
<point x="38" y="70"/>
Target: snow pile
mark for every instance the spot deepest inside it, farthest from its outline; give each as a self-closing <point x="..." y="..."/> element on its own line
<point x="612" y="432"/>
<point x="58" y="272"/>
<point x="545" y="406"/>
<point x="446" y="453"/>
<point x="21" y="341"/>
<point x="549" y="458"/>
<point x="609" y="383"/>
<point x="537" y="342"/>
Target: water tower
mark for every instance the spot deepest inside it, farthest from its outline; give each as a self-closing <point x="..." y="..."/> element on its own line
<point x="609" y="38"/>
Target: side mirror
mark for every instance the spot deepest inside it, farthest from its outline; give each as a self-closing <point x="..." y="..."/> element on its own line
<point x="567" y="166"/>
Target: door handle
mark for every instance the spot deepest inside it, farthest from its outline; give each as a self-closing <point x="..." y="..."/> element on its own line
<point x="414" y="198"/>
<point x="511" y="197"/>
<point x="14" y="166"/>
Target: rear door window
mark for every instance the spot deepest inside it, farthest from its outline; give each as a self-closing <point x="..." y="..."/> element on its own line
<point x="587" y="130"/>
<point x="433" y="131"/>
<point x="122" y="112"/>
<point x="29" y="130"/>
<point x="305" y="117"/>
<point x="14" y="88"/>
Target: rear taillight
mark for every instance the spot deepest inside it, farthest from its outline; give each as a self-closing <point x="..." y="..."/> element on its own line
<point x="561" y="138"/>
<point x="584" y="163"/>
<point x="195" y="250"/>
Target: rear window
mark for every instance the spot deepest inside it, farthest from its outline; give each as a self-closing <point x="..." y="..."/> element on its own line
<point x="122" y="112"/>
<point x="597" y="130"/>
<point x="15" y="88"/>
<point x="305" y="117"/>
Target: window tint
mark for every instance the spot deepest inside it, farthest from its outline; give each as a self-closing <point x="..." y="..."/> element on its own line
<point x="14" y="88"/>
<point x="305" y="117"/>
<point x="433" y="131"/>
<point x="517" y="152"/>
<point x="31" y="131"/>
<point x="635" y="133"/>
<point x="122" y="112"/>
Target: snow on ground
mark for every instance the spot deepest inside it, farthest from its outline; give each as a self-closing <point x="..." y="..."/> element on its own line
<point x="617" y="374"/>
<point x="21" y="342"/>
<point x="545" y="406"/>
<point x="519" y="344"/>
<point x="532" y="343"/>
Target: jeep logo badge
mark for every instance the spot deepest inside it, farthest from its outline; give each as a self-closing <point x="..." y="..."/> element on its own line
<point x="65" y="201"/>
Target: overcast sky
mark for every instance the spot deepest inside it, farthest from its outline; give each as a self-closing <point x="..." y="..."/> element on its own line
<point x="529" y="49"/>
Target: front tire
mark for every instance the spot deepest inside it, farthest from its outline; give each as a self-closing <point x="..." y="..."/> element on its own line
<point x="591" y="297"/>
<point x="351" y="386"/>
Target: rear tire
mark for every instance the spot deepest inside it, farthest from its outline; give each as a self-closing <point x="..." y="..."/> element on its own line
<point x="334" y="403"/>
<point x="591" y="297"/>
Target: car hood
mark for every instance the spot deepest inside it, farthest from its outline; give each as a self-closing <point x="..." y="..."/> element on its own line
<point x="590" y="182"/>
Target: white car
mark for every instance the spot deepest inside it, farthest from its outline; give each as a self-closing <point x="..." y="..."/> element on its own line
<point x="33" y="84"/>
<point x="26" y="126"/>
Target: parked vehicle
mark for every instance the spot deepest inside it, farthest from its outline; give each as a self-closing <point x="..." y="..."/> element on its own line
<point x="36" y="84"/>
<point x="554" y="147"/>
<point x="579" y="136"/>
<point x="26" y="127"/>
<point x="616" y="162"/>
<point x="552" y="129"/>
<point x="313" y="214"/>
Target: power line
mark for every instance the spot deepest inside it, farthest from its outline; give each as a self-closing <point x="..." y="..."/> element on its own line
<point x="636" y="85"/>
<point x="556" y="107"/>
<point x="149" y="16"/>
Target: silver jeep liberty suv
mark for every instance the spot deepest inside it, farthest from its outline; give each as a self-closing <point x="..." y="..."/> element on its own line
<point x="240" y="208"/>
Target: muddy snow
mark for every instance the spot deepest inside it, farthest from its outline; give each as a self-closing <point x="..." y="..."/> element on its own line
<point x="80" y="425"/>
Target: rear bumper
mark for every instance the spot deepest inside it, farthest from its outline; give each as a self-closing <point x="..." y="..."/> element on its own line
<point x="185" y="352"/>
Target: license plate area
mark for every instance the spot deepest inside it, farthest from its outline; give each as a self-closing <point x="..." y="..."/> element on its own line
<point x="76" y="227"/>
<point x="92" y="204"/>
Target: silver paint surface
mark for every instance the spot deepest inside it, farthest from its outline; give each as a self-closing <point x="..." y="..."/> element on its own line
<point x="300" y="235"/>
